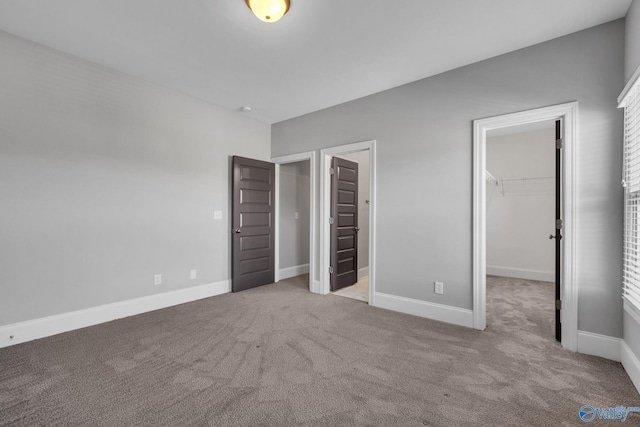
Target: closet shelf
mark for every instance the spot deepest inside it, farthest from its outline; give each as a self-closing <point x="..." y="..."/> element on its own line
<point x="490" y="178"/>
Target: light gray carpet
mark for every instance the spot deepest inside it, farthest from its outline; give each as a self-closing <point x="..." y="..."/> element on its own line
<point x="279" y="355"/>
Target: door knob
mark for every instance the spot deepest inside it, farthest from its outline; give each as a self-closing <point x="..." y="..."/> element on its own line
<point x="237" y="231"/>
<point x="551" y="236"/>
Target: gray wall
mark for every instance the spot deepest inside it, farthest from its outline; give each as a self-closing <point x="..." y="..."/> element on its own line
<point x="632" y="62"/>
<point x="106" y="180"/>
<point x="424" y="169"/>
<point x="294" y="197"/>
<point x="632" y="39"/>
<point x="362" y="157"/>
<point x="521" y="212"/>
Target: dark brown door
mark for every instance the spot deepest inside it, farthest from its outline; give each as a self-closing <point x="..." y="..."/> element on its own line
<point x="253" y="223"/>
<point x="558" y="235"/>
<point x="344" y="223"/>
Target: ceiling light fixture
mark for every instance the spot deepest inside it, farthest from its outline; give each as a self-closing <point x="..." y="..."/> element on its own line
<point x="268" y="10"/>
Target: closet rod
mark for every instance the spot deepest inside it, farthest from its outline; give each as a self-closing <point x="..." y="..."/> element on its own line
<point x="527" y="179"/>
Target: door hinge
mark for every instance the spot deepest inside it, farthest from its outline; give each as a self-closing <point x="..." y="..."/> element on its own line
<point x="330" y="220"/>
<point x="332" y="171"/>
<point x="559" y="143"/>
<point x="558" y="224"/>
<point x="330" y="270"/>
<point x="558" y="304"/>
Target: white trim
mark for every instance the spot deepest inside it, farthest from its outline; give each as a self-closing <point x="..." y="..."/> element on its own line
<point x="325" y="208"/>
<point x="630" y="84"/>
<point x="599" y="345"/>
<point x="276" y="245"/>
<point x="363" y="272"/>
<point x="59" y="323"/>
<point x="293" y="158"/>
<point x="286" y="273"/>
<point x="521" y="273"/>
<point x="315" y="287"/>
<point x="632" y="311"/>
<point x="569" y="115"/>
<point x="631" y="364"/>
<point x="325" y="213"/>
<point x="429" y="310"/>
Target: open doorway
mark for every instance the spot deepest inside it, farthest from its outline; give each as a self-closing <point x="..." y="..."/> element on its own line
<point x="295" y="218"/>
<point x="567" y="304"/>
<point x="367" y="150"/>
<point x="520" y="215"/>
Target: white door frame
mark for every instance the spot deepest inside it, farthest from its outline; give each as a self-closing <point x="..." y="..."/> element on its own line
<point x="568" y="113"/>
<point x="325" y="212"/>
<point x="294" y="158"/>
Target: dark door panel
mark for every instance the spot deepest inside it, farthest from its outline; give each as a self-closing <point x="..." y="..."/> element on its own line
<point x="344" y="227"/>
<point x="253" y="223"/>
<point x="558" y="235"/>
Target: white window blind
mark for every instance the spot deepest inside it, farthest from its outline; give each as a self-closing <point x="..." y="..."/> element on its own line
<point x="631" y="184"/>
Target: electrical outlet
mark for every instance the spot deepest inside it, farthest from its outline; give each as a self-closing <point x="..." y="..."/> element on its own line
<point x="297" y="215"/>
<point x="439" y="288"/>
<point x="157" y="279"/>
<point x="217" y="214"/>
<point x="194" y="274"/>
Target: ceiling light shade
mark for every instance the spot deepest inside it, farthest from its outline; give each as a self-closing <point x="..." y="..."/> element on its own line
<point x="268" y="10"/>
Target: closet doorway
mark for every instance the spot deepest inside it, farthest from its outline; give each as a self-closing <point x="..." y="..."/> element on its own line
<point x="295" y="218"/>
<point x="522" y="205"/>
<point x="294" y="215"/>
<point x="568" y="115"/>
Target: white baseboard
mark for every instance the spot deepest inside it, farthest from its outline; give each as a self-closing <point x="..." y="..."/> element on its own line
<point x="59" y="323"/>
<point x="363" y="272"/>
<point x="430" y="310"/>
<point x="599" y="345"/>
<point x="286" y="273"/>
<point x="521" y="273"/>
<point x="631" y="364"/>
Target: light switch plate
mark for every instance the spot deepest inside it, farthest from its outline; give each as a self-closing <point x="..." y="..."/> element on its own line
<point x="217" y="214"/>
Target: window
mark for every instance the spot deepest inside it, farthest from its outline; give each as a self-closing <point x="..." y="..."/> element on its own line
<point x="631" y="183"/>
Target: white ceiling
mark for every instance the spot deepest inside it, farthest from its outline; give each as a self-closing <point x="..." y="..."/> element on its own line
<point x="322" y="53"/>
